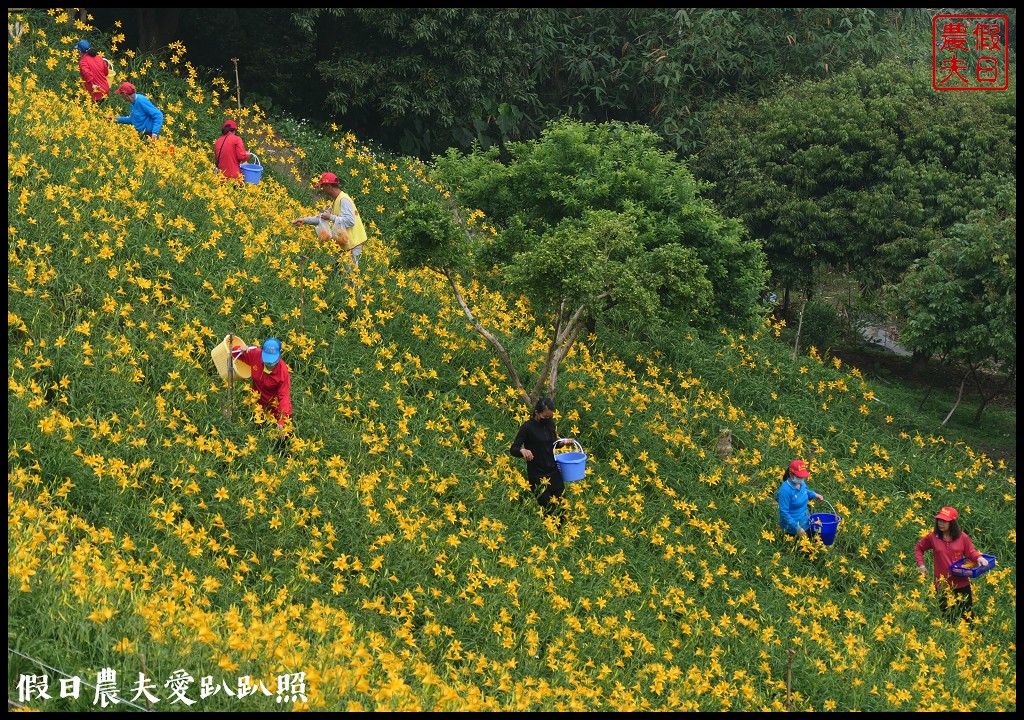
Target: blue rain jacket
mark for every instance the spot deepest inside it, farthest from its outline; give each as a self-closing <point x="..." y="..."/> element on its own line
<point x="793" y="513"/>
<point x="144" y="116"/>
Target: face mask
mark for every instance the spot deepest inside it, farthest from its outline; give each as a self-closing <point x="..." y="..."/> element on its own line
<point x="795" y="482"/>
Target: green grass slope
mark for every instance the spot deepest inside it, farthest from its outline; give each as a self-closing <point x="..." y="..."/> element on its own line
<point x="393" y="558"/>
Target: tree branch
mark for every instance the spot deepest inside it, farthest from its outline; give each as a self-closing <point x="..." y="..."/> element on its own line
<point x="576" y="324"/>
<point x="564" y="337"/>
<point x="959" y="396"/>
<point x="486" y="335"/>
<point x="545" y="370"/>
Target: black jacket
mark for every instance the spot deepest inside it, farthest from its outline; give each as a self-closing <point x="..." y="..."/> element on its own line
<point x="539" y="438"/>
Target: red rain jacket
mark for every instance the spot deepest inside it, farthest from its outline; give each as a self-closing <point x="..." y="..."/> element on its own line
<point x="94" y="73"/>
<point x="228" y="152"/>
<point x="275" y="387"/>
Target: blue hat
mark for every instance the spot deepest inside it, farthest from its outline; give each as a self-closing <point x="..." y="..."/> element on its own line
<point x="83" y="45"/>
<point x="271" y="351"/>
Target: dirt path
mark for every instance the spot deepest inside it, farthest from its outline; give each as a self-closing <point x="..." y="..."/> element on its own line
<point x="279" y="153"/>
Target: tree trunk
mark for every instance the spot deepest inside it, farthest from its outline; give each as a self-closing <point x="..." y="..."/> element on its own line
<point x="919" y="359"/>
<point x="799" y="327"/>
<point x="998" y="391"/>
<point x="959" y="395"/>
<point x="927" y="393"/>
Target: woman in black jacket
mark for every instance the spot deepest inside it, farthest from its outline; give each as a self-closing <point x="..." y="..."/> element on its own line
<point x="535" y="442"/>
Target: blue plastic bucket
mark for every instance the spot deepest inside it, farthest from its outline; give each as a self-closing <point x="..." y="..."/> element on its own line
<point x="572" y="465"/>
<point x="825" y="525"/>
<point x="251" y="172"/>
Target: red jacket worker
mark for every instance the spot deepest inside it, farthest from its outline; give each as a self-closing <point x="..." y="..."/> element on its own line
<point x="948" y="544"/>
<point x="229" y="150"/>
<point x="270" y="377"/>
<point x="93" y="70"/>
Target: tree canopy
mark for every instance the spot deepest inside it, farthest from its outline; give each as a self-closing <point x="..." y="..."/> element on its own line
<point x="421" y="80"/>
<point x="592" y="221"/>
<point x="960" y="301"/>
<point x="575" y="171"/>
<point x="858" y="172"/>
<point x="669" y="67"/>
<point x="424" y="79"/>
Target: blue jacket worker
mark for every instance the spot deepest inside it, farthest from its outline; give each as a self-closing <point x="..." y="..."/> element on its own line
<point x="143" y="115"/>
<point x="793" y="497"/>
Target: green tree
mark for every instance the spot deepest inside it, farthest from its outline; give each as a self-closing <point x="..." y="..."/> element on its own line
<point x="424" y="79"/>
<point x="857" y="172"/>
<point x="593" y="221"/>
<point x="669" y="67"/>
<point x="960" y="302"/>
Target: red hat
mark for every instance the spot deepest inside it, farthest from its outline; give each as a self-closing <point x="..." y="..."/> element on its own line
<point x="126" y="89"/>
<point x="328" y="179"/>
<point x="947" y="513"/>
<point x="230" y="125"/>
<point x="798" y="468"/>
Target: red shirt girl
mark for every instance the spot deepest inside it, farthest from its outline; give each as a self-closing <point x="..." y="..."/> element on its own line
<point x="93" y="70"/>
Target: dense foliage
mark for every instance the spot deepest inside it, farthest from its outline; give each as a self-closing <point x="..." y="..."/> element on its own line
<point x="860" y="172"/>
<point x="668" y="68"/>
<point x="875" y="175"/>
<point x="421" y="80"/>
<point x="393" y="555"/>
<point x="600" y="215"/>
<point x="426" y="78"/>
<point x="960" y="302"/>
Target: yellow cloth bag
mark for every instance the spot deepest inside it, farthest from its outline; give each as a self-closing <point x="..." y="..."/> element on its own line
<point x="110" y="73"/>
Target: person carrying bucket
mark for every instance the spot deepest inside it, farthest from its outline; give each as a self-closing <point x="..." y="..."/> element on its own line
<point x="536" y="442"/>
<point x="793" y="497"/>
<point x="229" y="150"/>
<point x="948" y="544"/>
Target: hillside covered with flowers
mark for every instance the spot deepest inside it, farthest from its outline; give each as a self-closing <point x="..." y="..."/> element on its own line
<point x="393" y="558"/>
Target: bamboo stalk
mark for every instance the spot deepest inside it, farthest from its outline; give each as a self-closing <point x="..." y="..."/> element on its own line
<point x="238" y="88"/>
<point x="789" y="680"/>
<point x="231" y="375"/>
<point x="302" y="294"/>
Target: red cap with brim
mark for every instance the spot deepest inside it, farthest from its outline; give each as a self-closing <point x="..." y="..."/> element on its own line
<point x="948" y="514"/>
<point x="126" y="89"/>
<point x="327" y="179"/>
<point x="798" y="468"/>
